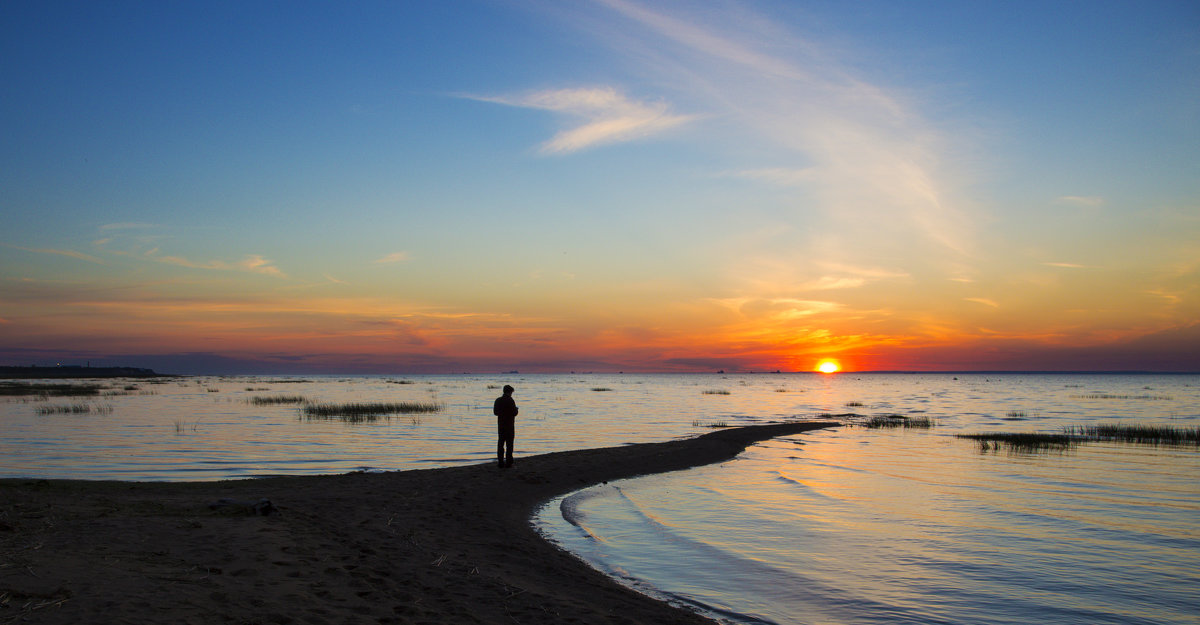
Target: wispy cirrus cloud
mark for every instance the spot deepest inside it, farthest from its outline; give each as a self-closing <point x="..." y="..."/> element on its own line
<point x="603" y="116"/>
<point x="1067" y="265"/>
<point x="867" y="157"/>
<point x="1080" y="200"/>
<point x="394" y="257"/>
<point x="252" y="263"/>
<point x="128" y="225"/>
<point x="68" y="253"/>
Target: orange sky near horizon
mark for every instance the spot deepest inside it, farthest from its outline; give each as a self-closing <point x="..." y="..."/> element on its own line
<point x="608" y="185"/>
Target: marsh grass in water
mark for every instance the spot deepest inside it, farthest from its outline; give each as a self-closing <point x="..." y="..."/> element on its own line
<point x="1071" y="436"/>
<point x="898" y="421"/>
<point x="601" y="389"/>
<point x="356" y="412"/>
<point x="1110" y="396"/>
<point x="696" y="423"/>
<point x="1018" y="441"/>
<point x="716" y="391"/>
<point x="20" y="389"/>
<point x="81" y="408"/>
<point x="1137" y="433"/>
<point x="271" y="400"/>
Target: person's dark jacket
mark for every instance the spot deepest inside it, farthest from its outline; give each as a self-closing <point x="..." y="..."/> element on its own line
<point x="505" y="408"/>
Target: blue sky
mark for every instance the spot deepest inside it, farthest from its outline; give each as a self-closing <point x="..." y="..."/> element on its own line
<point x="604" y="184"/>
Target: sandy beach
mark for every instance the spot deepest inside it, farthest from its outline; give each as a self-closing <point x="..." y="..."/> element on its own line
<point x="451" y="545"/>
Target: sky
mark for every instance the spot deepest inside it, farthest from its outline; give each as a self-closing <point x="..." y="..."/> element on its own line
<point x="601" y="185"/>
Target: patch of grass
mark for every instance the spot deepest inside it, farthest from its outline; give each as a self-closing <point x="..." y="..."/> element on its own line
<point x="19" y="389"/>
<point x="1016" y="415"/>
<point x="1137" y="433"/>
<point x="252" y="389"/>
<point x="355" y="412"/>
<point x="601" y="389"/>
<point x="715" y="424"/>
<point x="1030" y="441"/>
<point x="213" y="389"/>
<point x="81" y="408"/>
<point x="1108" y="396"/>
<point x="898" y="421"/>
<point x="400" y="382"/>
<point x="715" y="391"/>
<point x="270" y="400"/>
<point x="183" y="426"/>
<point x="854" y="404"/>
<point x="1071" y="436"/>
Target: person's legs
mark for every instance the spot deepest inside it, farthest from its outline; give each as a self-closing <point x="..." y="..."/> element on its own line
<point x="504" y="447"/>
<point x="509" y="437"/>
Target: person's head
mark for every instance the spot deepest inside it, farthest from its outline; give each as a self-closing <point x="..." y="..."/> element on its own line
<point x="508" y="390"/>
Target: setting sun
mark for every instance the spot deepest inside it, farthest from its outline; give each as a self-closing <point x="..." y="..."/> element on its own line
<point x="828" y="366"/>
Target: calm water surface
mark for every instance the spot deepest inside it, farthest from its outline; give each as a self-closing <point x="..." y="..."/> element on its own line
<point x="848" y="525"/>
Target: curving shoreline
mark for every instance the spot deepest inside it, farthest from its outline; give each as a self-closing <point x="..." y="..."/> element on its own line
<point x="421" y="546"/>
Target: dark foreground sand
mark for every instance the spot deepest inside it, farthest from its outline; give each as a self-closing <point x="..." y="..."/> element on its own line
<point x="448" y="545"/>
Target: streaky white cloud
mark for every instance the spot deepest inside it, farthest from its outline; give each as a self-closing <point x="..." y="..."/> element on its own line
<point x="68" y="253"/>
<point x="252" y="263"/>
<point x="1080" y="200"/>
<point x="127" y="226"/>
<point x="782" y="176"/>
<point x="1067" y="265"/>
<point x="605" y="116"/>
<point x="780" y="308"/>
<point x="394" y="257"/>
<point x="871" y="163"/>
<point x="982" y="300"/>
<point x="333" y="279"/>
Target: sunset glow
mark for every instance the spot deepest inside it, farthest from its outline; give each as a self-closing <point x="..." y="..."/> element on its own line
<point x="600" y="186"/>
<point x="828" y="366"/>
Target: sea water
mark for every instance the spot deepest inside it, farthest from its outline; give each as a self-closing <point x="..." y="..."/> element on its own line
<point x="847" y="525"/>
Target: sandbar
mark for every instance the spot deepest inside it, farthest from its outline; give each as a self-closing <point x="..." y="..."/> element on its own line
<point x="446" y="545"/>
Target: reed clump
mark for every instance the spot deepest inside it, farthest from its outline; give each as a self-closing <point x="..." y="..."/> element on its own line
<point x="81" y="408"/>
<point x="21" y="389"/>
<point x="898" y="421"/>
<point x="273" y="400"/>
<point x="1115" y="396"/>
<point x="601" y="389"/>
<point x="716" y="391"/>
<point x="1022" y="441"/>
<point x="357" y="411"/>
<point x="1137" y="433"/>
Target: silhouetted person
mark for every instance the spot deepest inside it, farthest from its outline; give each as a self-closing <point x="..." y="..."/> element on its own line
<point x="505" y="410"/>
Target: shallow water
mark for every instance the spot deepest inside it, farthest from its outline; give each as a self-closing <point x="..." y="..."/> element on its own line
<point x="840" y="526"/>
<point x="909" y="526"/>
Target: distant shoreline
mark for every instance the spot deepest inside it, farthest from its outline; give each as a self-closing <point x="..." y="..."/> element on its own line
<point x="76" y="371"/>
<point x="63" y="372"/>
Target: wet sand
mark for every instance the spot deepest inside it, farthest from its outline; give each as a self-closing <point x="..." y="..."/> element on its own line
<point x="451" y="545"/>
